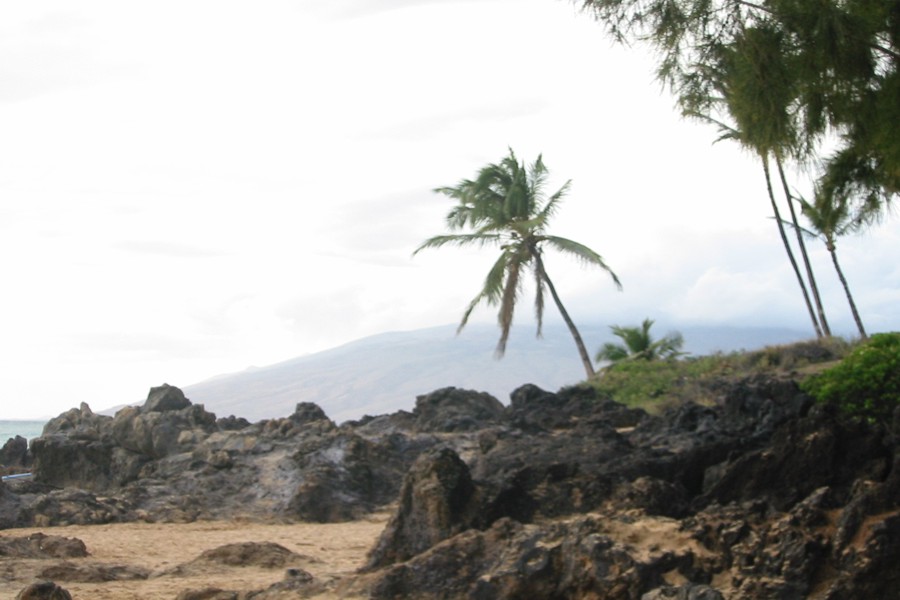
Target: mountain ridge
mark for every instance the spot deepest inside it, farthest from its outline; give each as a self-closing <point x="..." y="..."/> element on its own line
<point x="385" y="372"/>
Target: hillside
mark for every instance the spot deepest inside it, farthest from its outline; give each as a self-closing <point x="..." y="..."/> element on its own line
<point x="385" y="373"/>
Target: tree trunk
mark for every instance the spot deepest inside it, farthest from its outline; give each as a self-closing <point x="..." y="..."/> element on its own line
<point x="582" y="351"/>
<point x="787" y="245"/>
<point x="837" y="267"/>
<point x="809" y="272"/>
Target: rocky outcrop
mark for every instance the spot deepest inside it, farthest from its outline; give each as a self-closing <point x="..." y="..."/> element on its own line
<point x="436" y="502"/>
<point x="451" y="410"/>
<point x="759" y="494"/>
<point x="14" y="456"/>
<point x="584" y="557"/>
<point x="171" y="460"/>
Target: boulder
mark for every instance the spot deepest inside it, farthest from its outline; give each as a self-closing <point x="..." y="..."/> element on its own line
<point x="14" y="455"/>
<point x="267" y="555"/>
<point x="437" y="501"/>
<point x="93" y="573"/>
<point x="39" y="545"/>
<point x="308" y="412"/>
<point x="44" y="590"/>
<point x="451" y="410"/>
<point x="10" y="508"/>
<point x="78" y="423"/>
<point x="63" y="461"/>
<point x="342" y="476"/>
<point x="532" y="408"/>
<point x="159" y="433"/>
<point x="165" y="398"/>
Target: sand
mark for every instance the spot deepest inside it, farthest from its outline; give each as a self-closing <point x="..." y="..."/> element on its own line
<point x="331" y="553"/>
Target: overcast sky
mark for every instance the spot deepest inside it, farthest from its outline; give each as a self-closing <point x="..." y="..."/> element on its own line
<point x="190" y="188"/>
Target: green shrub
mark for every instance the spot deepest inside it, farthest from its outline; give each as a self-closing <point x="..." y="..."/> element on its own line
<point x="866" y="384"/>
<point x="796" y="355"/>
<point x="655" y="385"/>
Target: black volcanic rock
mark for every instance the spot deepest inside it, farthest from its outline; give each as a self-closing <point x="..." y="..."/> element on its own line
<point x="39" y="545"/>
<point x="436" y="502"/>
<point x="14" y="454"/>
<point x="44" y="590"/>
<point x="758" y="494"/>
<point x="165" y="398"/>
<point x="453" y="410"/>
<point x="803" y="455"/>
<point x="576" y="558"/>
<point x="10" y="508"/>
<point x="172" y="460"/>
<point x="532" y="408"/>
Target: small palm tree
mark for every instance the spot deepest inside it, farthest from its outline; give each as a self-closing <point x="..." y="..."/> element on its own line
<point x="830" y="218"/>
<point x="505" y="205"/>
<point x="637" y="344"/>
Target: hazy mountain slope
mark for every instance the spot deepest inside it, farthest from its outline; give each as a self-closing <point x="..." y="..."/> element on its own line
<point x="385" y="373"/>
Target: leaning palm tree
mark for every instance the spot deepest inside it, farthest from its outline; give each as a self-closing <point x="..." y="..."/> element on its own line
<point x="505" y="205"/>
<point x="831" y="217"/>
<point x="638" y="344"/>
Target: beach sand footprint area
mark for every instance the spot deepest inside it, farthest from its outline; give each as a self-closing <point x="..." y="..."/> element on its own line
<point x="131" y="561"/>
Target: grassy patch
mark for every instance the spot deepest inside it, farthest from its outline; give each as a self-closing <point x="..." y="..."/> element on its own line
<point x="656" y="385"/>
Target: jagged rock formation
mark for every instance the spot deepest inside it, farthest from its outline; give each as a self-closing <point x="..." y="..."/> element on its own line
<point x="14" y="456"/>
<point x="172" y="460"/>
<point x="761" y="495"/>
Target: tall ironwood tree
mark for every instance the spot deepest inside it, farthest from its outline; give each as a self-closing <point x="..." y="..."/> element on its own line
<point x="804" y="76"/>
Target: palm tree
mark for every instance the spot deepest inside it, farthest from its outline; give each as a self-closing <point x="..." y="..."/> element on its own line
<point x="505" y="205"/>
<point x="638" y="344"/>
<point x="830" y="217"/>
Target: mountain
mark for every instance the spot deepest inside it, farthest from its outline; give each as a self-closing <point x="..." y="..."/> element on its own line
<point x="384" y="373"/>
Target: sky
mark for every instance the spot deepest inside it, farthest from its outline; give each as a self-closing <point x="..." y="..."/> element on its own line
<point x="191" y="188"/>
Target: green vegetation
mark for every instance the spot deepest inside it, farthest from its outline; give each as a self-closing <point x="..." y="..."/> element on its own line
<point x="866" y="384"/>
<point x="505" y="205"/>
<point x="656" y="385"/>
<point x="638" y="344"/>
<point x="808" y="86"/>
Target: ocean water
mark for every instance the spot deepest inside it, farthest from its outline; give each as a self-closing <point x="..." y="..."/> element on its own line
<point x="27" y="429"/>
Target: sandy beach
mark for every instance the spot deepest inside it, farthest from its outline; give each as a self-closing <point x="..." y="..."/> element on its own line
<point x="327" y="551"/>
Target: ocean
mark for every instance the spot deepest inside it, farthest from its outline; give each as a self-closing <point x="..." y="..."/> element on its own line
<point x="27" y="429"/>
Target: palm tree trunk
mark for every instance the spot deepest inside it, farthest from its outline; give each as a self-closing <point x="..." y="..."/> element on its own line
<point x="787" y="245"/>
<point x="837" y="267"/>
<point x="582" y="351"/>
<point x="809" y="272"/>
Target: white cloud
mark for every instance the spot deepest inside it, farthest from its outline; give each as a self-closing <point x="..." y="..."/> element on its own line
<point x="191" y="188"/>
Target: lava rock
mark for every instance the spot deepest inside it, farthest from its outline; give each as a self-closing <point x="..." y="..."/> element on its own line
<point x="437" y="501"/>
<point x="44" y="590"/>
<point x="451" y="409"/>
